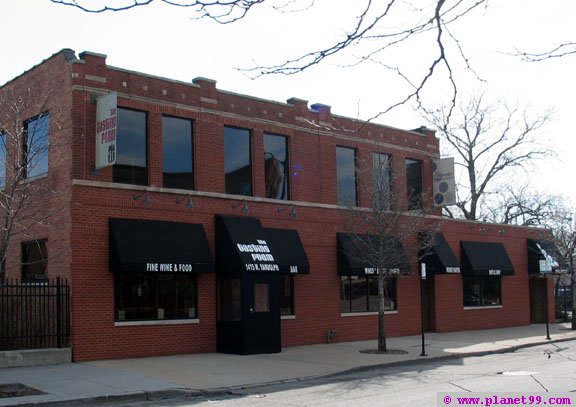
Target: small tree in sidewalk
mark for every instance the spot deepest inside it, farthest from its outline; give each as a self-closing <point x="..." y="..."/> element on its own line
<point x="376" y="233"/>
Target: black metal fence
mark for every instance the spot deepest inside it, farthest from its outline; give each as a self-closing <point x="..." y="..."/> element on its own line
<point x="34" y="315"/>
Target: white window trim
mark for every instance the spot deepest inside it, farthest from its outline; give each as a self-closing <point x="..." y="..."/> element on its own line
<point x="360" y="314"/>
<point x="158" y="322"/>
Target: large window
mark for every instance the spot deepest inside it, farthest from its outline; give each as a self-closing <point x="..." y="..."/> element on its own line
<point x="346" y="174"/>
<point x="177" y="153"/>
<point x="131" y="148"/>
<point x="482" y="291"/>
<point x="237" y="161"/>
<point x="360" y="294"/>
<point x="382" y="175"/>
<point x="414" y="184"/>
<point x="34" y="260"/>
<point x="276" y="166"/>
<point x="155" y="296"/>
<point x="36" y="145"/>
<point x="286" y="295"/>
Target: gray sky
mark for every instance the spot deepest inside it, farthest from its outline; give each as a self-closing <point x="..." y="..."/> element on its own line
<point x="165" y="41"/>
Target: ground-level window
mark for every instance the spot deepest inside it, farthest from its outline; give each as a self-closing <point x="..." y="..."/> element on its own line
<point x="482" y="291"/>
<point x="360" y="294"/>
<point x="287" y="295"/>
<point x="34" y="261"/>
<point x="155" y="296"/>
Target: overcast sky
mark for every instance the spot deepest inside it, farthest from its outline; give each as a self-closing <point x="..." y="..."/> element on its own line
<point x="165" y="41"/>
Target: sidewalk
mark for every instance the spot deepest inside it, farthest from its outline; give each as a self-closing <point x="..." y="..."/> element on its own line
<point x="213" y="373"/>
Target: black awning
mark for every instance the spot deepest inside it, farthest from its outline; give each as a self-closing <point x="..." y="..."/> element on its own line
<point x="358" y="255"/>
<point x="485" y="259"/>
<point x="158" y="247"/>
<point x="242" y="245"/>
<point x="440" y="258"/>
<point x="544" y="257"/>
<point x="290" y="254"/>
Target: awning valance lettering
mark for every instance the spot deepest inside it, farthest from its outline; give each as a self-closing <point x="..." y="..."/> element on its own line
<point x="242" y="245"/>
<point x="544" y="257"/>
<point x="141" y="246"/>
<point x="485" y="259"/>
<point x="358" y="255"/>
<point x="288" y="250"/>
<point x="440" y="258"/>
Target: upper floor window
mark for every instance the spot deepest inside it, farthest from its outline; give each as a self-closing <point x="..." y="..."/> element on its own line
<point x="237" y="161"/>
<point x="35" y="145"/>
<point x="131" y="148"/>
<point x="177" y="153"/>
<point x="346" y="174"/>
<point x="276" y="166"/>
<point x="414" y="183"/>
<point x="34" y="260"/>
<point x="382" y="175"/>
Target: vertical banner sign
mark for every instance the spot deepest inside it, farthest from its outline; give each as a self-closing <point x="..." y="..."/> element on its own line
<point x="444" y="183"/>
<point x="106" y="123"/>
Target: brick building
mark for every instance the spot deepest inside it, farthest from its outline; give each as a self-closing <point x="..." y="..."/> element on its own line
<point x="221" y="225"/>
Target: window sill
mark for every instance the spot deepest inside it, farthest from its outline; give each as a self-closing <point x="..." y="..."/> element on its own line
<point x="483" y="307"/>
<point x="361" y="314"/>
<point x="288" y="317"/>
<point x="158" y="322"/>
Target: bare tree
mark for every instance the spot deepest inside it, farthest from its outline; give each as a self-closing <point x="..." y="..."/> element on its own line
<point x="558" y="51"/>
<point x="520" y="205"/>
<point x="488" y="141"/>
<point x="25" y="190"/>
<point x="377" y="233"/>
<point x="563" y="225"/>
<point x="381" y="27"/>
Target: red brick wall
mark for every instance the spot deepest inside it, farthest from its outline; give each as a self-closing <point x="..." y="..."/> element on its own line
<point x="313" y="137"/>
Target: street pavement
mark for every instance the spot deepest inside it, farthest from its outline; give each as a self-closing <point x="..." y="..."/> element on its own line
<point x="180" y="376"/>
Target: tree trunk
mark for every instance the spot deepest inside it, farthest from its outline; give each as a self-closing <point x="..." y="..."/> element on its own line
<point x="381" y="312"/>
<point x="573" y="292"/>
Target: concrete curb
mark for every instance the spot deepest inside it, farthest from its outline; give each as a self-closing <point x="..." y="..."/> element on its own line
<point x="175" y="394"/>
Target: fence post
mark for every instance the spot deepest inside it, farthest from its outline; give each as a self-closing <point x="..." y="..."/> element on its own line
<point x="58" y="314"/>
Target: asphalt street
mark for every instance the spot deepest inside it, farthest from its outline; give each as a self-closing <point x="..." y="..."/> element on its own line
<point x="545" y="368"/>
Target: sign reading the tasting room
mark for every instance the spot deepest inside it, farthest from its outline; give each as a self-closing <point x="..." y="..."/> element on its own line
<point x="260" y="256"/>
<point x="106" y="124"/>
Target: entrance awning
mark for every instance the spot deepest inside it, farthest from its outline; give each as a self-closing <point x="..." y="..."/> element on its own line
<point x="441" y="258"/>
<point x="242" y="245"/>
<point x="358" y="255"/>
<point x="485" y="259"/>
<point x="290" y="254"/>
<point x="140" y="246"/>
<point x="544" y="257"/>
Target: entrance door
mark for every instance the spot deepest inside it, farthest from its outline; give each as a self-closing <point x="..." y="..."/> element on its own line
<point x="261" y="313"/>
<point x="538" y="299"/>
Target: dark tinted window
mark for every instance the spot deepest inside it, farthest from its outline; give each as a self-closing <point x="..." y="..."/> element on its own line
<point x="155" y="296"/>
<point x="482" y="291"/>
<point x="177" y="153"/>
<point x="414" y="183"/>
<point x="36" y="134"/>
<point x="34" y="260"/>
<point x="276" y="166"/>
<point x="237" y="161"/>
<point x="346" y="173"/>
<point x="286" y="295"/>
<point x="131" y="147"/>
<point x="382" y="181"/>
<point x="360" y="294"/>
